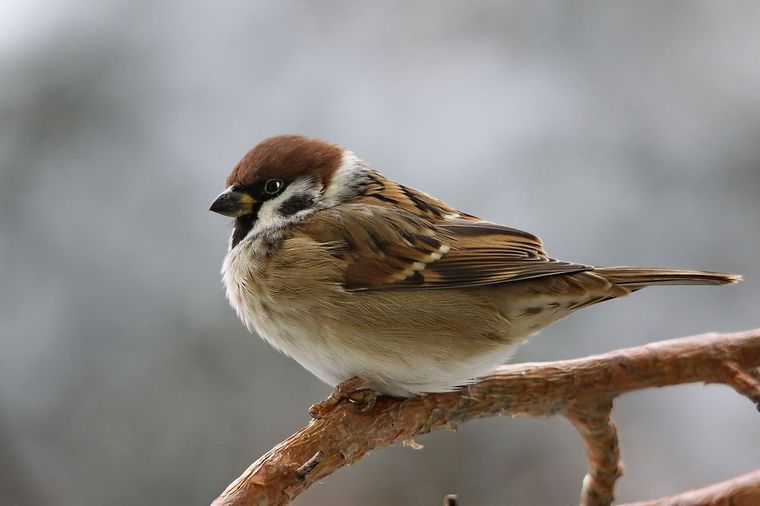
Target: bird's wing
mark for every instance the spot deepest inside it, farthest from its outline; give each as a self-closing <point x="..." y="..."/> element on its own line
<point x="384" y="246"/>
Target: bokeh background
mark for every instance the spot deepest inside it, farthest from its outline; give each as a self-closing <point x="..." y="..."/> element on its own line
<point x="622" y="133"/>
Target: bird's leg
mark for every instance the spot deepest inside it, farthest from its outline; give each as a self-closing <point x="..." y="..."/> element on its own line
<point x="354" y="390"/>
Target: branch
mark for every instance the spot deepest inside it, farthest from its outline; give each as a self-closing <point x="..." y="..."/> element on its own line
<point x="594" y="423"/>
<point x="582" y="390"/>
<point x="741" y="491"/>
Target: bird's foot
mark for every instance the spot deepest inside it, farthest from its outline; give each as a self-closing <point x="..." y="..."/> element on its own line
<point x="353" y="390"/>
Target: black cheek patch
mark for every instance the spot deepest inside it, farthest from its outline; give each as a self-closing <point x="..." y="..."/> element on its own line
<point x="296" y="203"/>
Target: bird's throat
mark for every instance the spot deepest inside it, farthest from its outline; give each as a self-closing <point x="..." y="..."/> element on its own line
<point x="243" y="225"/>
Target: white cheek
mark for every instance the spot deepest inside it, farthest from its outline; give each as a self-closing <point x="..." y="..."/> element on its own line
<point x="268" y="216"/>
<point x="346" y="179"/>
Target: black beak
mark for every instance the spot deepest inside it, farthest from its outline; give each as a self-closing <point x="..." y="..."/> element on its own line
<point x="233" y="203"/>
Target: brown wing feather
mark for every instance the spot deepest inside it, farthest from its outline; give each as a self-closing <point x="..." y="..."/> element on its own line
<point x="407" y="239"/>
<point x="385" y="192"/>
<point x="485" y="253"/>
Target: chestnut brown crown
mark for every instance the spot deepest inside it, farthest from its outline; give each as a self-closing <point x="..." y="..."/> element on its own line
<point x="286" y="157"/>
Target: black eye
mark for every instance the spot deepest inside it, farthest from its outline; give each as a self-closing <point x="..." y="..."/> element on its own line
<point x="273" y="186"/>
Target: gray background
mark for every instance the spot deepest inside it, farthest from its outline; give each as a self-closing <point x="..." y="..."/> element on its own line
<point x="622" y="133"/>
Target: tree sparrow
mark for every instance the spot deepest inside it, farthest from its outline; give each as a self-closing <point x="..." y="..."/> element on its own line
<point x="357" y="276"/>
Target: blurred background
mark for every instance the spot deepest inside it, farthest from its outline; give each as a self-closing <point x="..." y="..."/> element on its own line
<point x="622" y="133"/>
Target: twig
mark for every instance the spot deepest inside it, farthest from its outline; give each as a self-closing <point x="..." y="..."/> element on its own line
<point x="580" y="389"/>
<point x="741" y="491"/>
<point x="594" y="423"/>
<point x="451" y="500"/>
<point x="744" y="382"/>
<point x="308" y="466"/>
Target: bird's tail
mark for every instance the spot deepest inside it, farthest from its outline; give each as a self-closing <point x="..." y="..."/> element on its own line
<point x="639" y="277"/>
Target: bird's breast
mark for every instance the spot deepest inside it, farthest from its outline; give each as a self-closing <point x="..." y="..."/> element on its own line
<point x="278" y="313"/>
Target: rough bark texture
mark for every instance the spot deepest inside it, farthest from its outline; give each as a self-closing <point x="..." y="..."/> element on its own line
<point x="581" y="390"/>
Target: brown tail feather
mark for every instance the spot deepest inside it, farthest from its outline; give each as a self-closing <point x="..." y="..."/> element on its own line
<point x="639" y="277"/>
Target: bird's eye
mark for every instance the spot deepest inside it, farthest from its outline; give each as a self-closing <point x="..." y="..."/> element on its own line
<point x="273" y="186"/>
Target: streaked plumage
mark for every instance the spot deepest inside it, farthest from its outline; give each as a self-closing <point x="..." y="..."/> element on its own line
<point x="352" y="274"/>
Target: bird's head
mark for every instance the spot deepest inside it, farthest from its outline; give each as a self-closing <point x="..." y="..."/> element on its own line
<point x="283" y="179"/>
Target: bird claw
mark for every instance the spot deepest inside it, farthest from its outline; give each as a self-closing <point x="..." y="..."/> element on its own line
<point x="365" y="397"/>
<point x="353" y="390"/>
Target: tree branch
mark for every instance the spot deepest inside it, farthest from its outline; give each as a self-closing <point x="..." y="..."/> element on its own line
<point x="740" y="491"/>
<point x="582" y="390"/>
<point x="594" y="423"/>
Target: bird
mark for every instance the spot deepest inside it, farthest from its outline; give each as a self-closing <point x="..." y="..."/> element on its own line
<point x="377" y="287"/>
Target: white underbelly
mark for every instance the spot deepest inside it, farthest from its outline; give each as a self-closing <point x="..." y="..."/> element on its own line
<point x="313" y="352"/>
<point x="399" y="372"/>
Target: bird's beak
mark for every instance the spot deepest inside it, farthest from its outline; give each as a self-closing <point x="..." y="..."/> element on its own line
<point x="233" y="203"/>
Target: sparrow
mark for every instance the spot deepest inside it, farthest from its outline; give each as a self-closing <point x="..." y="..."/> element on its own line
<point x="372" y="284"/>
